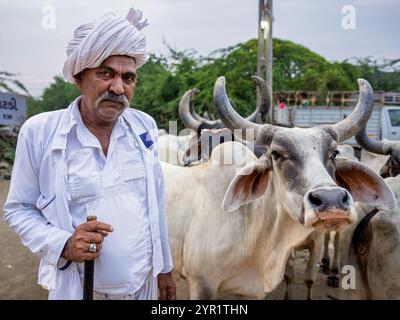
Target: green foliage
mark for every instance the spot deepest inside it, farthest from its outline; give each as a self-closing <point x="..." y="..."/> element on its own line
<point x="7" y="151"/>
<point x="382" y="74"/>
<point x="9" y="83"/>
<point x="295" y="67"/>
<point x="57" y="96"/>
<point x="162" y="81"/>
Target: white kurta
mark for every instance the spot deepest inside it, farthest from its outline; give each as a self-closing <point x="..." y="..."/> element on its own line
<point x="113" y="189"/>
<point x="37" y="206"/>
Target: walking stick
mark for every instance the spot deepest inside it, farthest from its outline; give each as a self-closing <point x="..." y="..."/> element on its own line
<point x="88" y="274"/>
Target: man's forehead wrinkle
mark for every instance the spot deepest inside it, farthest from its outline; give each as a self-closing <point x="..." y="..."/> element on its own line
<point x="118" y="69"/>
<point x="118" y="63"/>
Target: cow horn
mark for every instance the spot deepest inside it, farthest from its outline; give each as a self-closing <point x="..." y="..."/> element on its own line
<point x="372" y="145"/>
<point x="190" y="118"/>
<point x="202" y="119"/>
<point x="227" y="113"/>
<point x="192" y="111"/>
<point x="262" y="109"/>
<point x="184" y="110"/>
<point x="259" y="115"/>
<point x="360" y="115"/>
<point x="385" y="147"/>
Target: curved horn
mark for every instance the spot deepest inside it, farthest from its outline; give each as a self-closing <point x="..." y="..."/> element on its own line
<point x="263" y="108"/>
<point x="360" y="115"/>
<point x="184" y="110"/>
<point x="208" y="123"/>
<point x="384" y="147"/>
<point x="191" y="108"/>
<point x="228" y="115"/>
<point x="205" y="121"/>
<point x="371" y="145"/>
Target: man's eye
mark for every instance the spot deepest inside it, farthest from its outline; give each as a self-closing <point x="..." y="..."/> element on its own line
<point x="277" y="156"/>
<point x="129" y="79"/>
<point x="105" y="74"/>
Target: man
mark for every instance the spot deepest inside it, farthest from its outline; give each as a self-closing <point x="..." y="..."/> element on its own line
<point x="97" y="157"/>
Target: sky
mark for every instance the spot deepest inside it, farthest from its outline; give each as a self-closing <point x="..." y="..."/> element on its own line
<point x="34" y="33"/>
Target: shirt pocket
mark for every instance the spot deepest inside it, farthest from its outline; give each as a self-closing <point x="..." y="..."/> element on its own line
<point x="133" y="171"/>
<point x="83" y="175"/>
<point x="84" y="188"/>
<point x="46" y="205"/>
<point x="131" y="162"/>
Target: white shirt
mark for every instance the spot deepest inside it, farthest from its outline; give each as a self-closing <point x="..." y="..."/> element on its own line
<point x="37" y="206"/>
<point x="113" y="189"/>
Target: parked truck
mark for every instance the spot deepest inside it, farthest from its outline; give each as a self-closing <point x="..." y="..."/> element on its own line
<point x="306" y="110"/>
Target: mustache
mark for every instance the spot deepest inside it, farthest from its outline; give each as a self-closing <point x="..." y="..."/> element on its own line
<point x="111" y="96"/>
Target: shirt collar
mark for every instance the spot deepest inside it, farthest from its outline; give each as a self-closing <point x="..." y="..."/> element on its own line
<point x="72" y="116"/>
<point x="85" y="137"/>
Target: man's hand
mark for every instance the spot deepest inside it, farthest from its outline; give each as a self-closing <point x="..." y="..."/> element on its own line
<point x="166" y="287"/>
<point x="77" y="247"/>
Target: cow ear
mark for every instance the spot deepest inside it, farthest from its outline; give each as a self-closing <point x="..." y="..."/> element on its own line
<point x="364" y="184"/>
<point x="249" y="184"/>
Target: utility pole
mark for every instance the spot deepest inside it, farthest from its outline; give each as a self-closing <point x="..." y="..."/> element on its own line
<point x="264" y="54"/>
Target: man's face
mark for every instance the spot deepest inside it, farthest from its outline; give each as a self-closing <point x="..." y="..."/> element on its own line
<point x="108" y="90"/>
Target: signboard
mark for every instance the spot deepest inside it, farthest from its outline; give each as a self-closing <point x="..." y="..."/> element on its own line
<point x="13" y="108"/>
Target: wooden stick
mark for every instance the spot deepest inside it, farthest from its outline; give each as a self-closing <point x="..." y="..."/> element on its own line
<point x="88" y="274"/>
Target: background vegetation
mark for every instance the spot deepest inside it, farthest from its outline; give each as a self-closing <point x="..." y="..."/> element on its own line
<point x="163" y="80"/>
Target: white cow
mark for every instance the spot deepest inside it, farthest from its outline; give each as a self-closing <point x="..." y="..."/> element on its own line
<point x="372" y="246"/>
<point x="172" y="148"/>
<point x="317" y="245"/>
<point x="233" y="225"/>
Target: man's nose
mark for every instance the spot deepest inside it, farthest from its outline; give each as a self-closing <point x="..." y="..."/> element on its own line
<point x="117" y="86"/>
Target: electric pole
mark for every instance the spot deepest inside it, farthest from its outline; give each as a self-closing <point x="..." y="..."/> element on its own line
<point x="265" y="54"/>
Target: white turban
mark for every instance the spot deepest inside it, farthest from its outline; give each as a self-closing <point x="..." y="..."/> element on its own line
<point x="94" y="42"/>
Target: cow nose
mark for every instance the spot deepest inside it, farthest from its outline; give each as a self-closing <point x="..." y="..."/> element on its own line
<point x="327" y="199"/>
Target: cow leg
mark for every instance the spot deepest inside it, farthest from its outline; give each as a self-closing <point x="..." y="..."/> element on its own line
<point x="333" y="279"/>
<point x="315" y="247"/>
<point x="201" y="289"/>
<point x="324" y="265"/>
<point x="289" y="278"/>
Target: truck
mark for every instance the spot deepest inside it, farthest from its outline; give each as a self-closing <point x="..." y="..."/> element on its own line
<point x="309" y="109"/>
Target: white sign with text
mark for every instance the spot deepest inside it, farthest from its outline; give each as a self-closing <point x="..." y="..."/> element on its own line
<point x="13" y="109"/>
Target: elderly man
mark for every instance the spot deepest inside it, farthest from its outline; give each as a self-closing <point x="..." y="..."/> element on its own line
<point x="97" y="157"/>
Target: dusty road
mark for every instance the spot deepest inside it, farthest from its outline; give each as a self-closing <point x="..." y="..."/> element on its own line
<point x="18" y="269"/>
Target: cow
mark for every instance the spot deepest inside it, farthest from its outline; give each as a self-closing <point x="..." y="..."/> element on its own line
<point x="172" y="148"/>
<point x="233" y="225"/>
<point x="372" y="245"/>
<point x="317" y="245"/>
<point x="213" y="132"/>
<point x="202" y="135"/>
<point x="372" y="248"/>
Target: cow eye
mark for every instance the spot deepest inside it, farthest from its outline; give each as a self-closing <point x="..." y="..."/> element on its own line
<point x="334" y="154"/>
<point x="277" y="156"/>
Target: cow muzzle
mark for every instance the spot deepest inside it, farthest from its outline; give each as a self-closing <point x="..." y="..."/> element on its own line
<point x="328" y="208"/>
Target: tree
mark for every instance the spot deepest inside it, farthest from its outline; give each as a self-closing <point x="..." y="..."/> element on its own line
<point x="163" y="81"/>
<point x="9" y="83"/>
<point x="57" y="96"/>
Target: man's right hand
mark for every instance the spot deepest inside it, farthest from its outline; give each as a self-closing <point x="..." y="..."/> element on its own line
<point x="77" y="246"/>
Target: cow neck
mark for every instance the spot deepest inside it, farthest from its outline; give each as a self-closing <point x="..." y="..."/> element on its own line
<point x="280" y="234"/>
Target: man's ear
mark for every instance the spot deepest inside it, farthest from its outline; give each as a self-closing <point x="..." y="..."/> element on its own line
<point x="364" y="184"/>
<point x="248" y="185"/>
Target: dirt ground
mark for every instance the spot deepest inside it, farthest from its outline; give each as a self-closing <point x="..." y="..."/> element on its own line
<point x="18" y="269"/>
